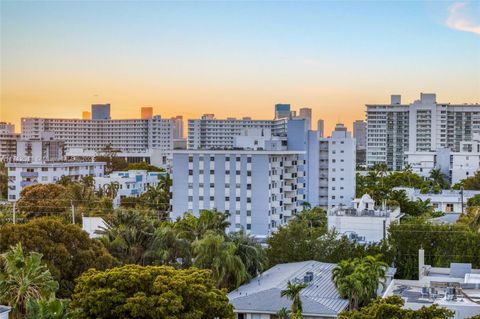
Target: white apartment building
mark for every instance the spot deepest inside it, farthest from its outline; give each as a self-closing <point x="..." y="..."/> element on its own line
<point x="422" y="126"/>
<point x="259" y="189"/>
<point x="336" y="169"/>
<point x="23" y="174"/>
<point x="362" y="221"/>
<point x="211" y="133"/>
<point x="89" y="137"/>
<point x="8" y="141"/>
<point x="132" y="183"/>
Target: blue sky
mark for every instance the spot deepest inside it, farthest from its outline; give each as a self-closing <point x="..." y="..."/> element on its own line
<point x="234" y="58"/>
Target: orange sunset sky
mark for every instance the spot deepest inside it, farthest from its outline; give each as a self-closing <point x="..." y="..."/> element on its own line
<point x="233" y="59"/>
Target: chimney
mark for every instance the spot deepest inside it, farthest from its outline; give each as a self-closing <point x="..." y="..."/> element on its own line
<point x="421" y="263"/>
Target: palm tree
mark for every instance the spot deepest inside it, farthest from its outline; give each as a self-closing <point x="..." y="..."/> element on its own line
<point x="49" y="309"/>
<point x="250" y="252"/>
<point x="376" y="271"/>
<point x="168" y="248"/>
<point x="111" y="189"/>
<point x="348" y="286"/>
<point x="293" y="293"/>
<point x="283" y="313"/>
<point x="213" y="252"/>
<point x="24" y="278"/>
<point x="195" y="228"/>
<point x="437" y="177"/>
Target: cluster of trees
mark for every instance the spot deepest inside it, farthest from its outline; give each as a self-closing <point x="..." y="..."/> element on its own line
<point x="470" y="183"/>
<point x="3" y="181"/>
<point x="306" y="237"/>
<point x="358" y="279"/>
<point x="379" y="183"/>
<point x="136" y="238"/>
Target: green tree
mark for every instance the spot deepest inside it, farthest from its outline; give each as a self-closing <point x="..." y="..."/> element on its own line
<point x="168" y="248"/>
<point x="214" y="253"/>
<point x="474" y="201"/>
<point x="51" y="308"/>
<point x="283" y="313"/>
<point x="293" y="293"/>
<point x="150" y="292"/>
<point x="22" y="278"/>
<point x="250" y="252"/>
<point x="3" y="181"/>
<point x="44" y="199"/>
<point x="109" y="155"/>
<point x="469" y="183"/>
<point x="143" y="166"/>
<point x="438" y="178"/>
<point x="391" y="308"/>
<point x="129" y="235"/>
<point x="158" y="198"/>
<point x="194" y="228"/>
<point x="66" y="249"/>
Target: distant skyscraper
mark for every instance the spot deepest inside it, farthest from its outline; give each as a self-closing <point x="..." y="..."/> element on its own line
<point x="306" y="113"/>
<point x="177" y="127"/>
<point x="282" y="111"/>
<point x="320" y="127"/>
<point x="101" y="111"/>
<point x="146" y="113"/>
<point x="360" y="133"/>
<point x="86" y="115"/>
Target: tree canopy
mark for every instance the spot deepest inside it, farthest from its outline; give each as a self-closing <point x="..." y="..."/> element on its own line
<point x="143" y="166"/>
<point x="67" y="250"/>
<point x="154" y="292"/>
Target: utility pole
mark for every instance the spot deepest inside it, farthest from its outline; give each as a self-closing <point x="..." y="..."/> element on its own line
<point x="73" y="213"/>
<point x="461" y="193"/>
<point x="14" y="212"/>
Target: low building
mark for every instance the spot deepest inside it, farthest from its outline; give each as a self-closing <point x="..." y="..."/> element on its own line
<point x="363" y="221"/>
<point x="260" y="298"/>
<point x="448" y="201"/>
<point x="4" y="311"/>
<point x="132" y="183"/>
<point x="456" y="288"/>
<point x="23" y="174"/>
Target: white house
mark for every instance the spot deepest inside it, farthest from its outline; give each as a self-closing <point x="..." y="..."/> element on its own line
<point x="132" y="183"/>
<point x="362" y="221"/>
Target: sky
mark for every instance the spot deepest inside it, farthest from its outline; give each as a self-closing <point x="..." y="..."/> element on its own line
<point x="233" y="58"/>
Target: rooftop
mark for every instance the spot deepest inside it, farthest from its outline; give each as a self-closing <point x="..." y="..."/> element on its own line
<point x="262" y="294"/>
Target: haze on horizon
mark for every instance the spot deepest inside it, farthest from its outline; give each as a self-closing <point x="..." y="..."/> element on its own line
<point x="233" y="58"/>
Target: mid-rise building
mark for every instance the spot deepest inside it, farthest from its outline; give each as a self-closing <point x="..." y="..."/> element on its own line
<point x="8" y="141"/>
<point x="422" y="126"/>
<point x="23" y="174"/>
<point x="362" y="221"/>
<point x="44" y="149"/>
<point x="134" y="138"/>
<point x="259" y="189"/>
<point x="211" y="133"/>
<point x="132" y="183"/>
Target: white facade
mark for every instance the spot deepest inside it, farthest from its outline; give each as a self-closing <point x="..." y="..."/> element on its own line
<point x="336" y="169"/>
<point x="211" y="133"/>
<point x="127" y="136"/>
<point x="362" y="221"/>
<point x="422" y="126"/>
<point x="448" y="201"/>
<point x="8" y="140"/>
<point x="21" y="175"/>
<point x="44" y="149"/>
<point x="132" y="183"/>
<point x="259" y="189"/>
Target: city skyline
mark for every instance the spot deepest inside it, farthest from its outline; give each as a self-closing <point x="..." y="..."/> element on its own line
<point x="234" y="59"/>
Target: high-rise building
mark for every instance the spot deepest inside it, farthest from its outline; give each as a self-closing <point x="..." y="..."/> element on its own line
<point x="211" y="133"/>
<point x="86" y="115"/>
<point x="282" y="111"/>
<point x="177" y="127"/>
<point x="8" y="140"/>
<point x="146" y="113"/>
<point x="306" y="113"/>
<point x="360" y="133"/>
<point x="320" y="127"/>
<point x="422" y="126"/>
<point x="101" y="112"/>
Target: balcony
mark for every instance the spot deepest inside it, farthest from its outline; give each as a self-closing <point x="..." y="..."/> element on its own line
<point x="25" y="183"/>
